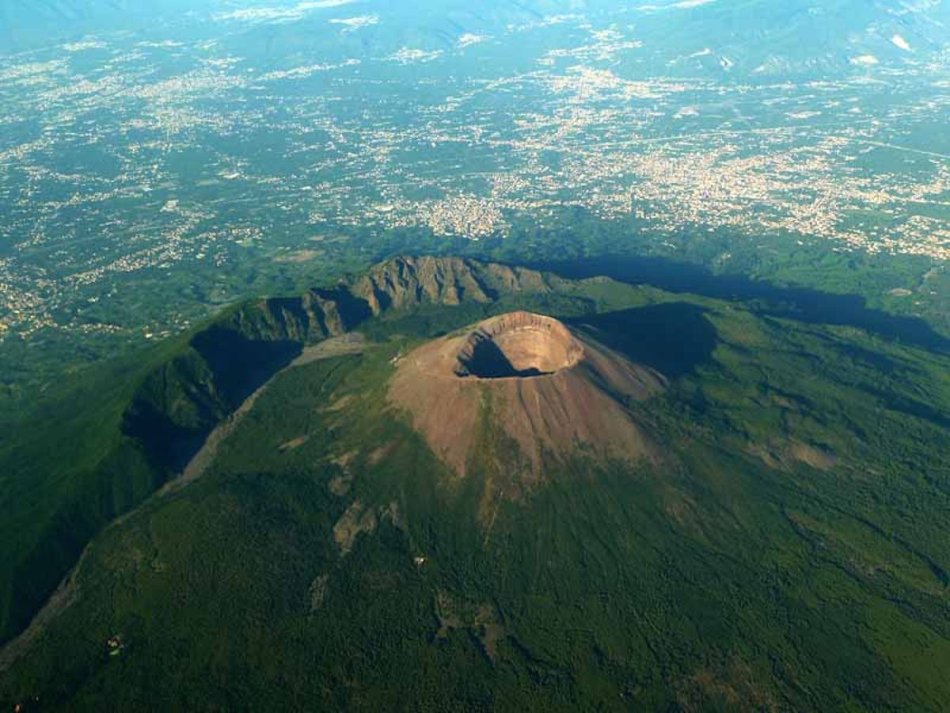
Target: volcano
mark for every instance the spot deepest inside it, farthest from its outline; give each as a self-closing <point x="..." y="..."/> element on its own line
<point x="672" y="503"/>
<point x="550" y="389"/>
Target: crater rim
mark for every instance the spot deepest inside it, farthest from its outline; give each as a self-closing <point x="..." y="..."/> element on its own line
<point x="517" y="345"/>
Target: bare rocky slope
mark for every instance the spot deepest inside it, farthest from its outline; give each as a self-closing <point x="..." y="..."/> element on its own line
<point x="409" y="281"/>
<point x="545" y="387"/>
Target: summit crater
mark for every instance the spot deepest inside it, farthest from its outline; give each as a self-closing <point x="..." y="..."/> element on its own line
<point x="518" y="345"/>
<point x="545" y="387"/>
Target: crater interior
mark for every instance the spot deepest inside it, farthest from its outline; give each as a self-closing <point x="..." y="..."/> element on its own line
<point x="518" y="345"/>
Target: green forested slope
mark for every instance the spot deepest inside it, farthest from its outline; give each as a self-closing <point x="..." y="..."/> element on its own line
<point x="789" y="553"/>
<point x="108" y="439"/>
<point x="104" y="439"/>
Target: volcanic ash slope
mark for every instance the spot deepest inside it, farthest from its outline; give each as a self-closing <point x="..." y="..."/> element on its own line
<point x="547" y="387"/>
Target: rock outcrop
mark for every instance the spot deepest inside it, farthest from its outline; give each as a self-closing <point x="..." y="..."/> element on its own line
<point x="405" y="282"/>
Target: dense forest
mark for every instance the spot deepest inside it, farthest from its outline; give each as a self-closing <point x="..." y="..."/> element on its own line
<point x="789" y="552"/>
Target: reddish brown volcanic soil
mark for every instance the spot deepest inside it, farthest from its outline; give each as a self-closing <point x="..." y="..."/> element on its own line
<point x="549" y="389"/>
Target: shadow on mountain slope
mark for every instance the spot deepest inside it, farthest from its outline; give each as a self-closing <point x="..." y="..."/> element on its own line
<point x="806" y="305"/>
<point x="672" y="338"/>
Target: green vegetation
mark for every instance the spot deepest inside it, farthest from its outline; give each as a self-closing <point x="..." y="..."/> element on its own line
<point x="789" y="553"/>
<point x="816" y="281"/>
<point x="99" y="446"/>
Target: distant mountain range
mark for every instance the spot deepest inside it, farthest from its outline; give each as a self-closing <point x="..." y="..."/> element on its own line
<point x="716" y="38"/>
<point x="801" y="38"/>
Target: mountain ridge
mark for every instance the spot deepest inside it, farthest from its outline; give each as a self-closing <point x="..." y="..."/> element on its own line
<point x="172" y="400"/>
